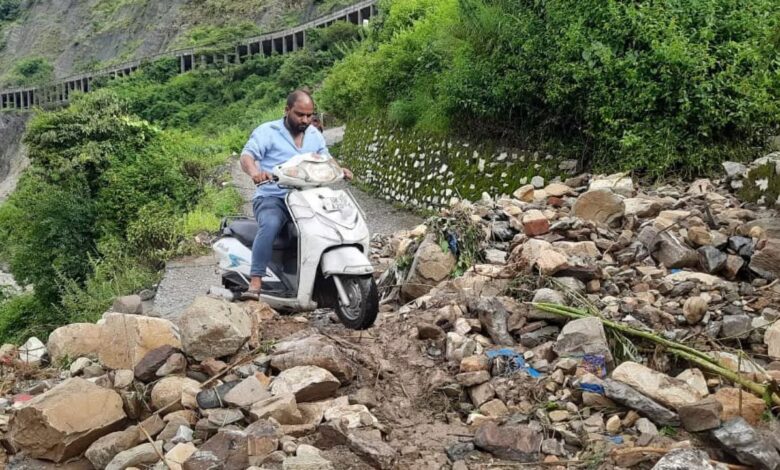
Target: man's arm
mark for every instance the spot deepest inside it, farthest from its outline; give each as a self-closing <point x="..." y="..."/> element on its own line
<point x="253" y="151"/>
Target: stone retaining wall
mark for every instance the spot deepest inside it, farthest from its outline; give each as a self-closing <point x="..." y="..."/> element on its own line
<point x="425" y="172"/>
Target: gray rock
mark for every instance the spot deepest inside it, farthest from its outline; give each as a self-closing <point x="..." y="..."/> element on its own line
<point x="571" y="284"/>
<point x="711" y="259"/>
<point x="583" y="336"/>
<point x="742" y="441"/>
<point x="736" y="326"/>
<point x="459" y="450"/>
<point x="546" y="295"/>
<point x="742" y="246"/>
<point x="373" y="450"/>
<point x="645" y="426"/>
<point x="493" y="316"/>
<point x="537" y="337"/>
<point x="494" y="256"/>
<point x="672" y="252"/>
<point x="627" y="396"/>
<point x="538" y="182"/>
<point x="684" y="459"/>
<point x="734" y="169"/>
<point x="501" y="231"/>
<point x="131" y="304"/>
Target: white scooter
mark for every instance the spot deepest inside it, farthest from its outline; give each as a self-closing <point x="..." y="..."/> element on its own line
<point x="320" y="259"/>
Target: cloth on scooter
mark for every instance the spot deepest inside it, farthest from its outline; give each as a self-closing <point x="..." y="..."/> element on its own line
<point x="271" y="214"/>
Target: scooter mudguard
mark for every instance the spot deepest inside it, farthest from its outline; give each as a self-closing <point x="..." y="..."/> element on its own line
<point x="345" y="260"/>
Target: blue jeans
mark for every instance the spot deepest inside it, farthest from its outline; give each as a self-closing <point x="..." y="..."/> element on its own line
<point x="271" y="215"/>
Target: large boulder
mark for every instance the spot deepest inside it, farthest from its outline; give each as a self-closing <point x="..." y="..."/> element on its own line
<point x="65" y="420"/>
<point x="666" y="390"/>
<point x="129" y="337"/>
<point x="600" y="206"/>
<point x="214" y="328"/>
<point x="431" y="266"/>
<point x="75" y="340"/>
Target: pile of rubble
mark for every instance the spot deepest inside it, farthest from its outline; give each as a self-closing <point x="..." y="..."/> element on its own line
<point x="461" y="371"/>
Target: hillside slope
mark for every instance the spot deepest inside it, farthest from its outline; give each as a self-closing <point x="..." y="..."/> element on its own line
<point x="75" y="36"/>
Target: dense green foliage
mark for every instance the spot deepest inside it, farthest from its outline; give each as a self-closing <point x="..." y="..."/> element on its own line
<point x="651" y="86"/>
<point x="9" y="10"/>
<point x="32" y="71"/>
<point x="104" y="189"/>
<point x="126" y="176"/>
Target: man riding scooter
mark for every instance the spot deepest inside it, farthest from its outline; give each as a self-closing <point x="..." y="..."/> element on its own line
<point x="272" y="144"/>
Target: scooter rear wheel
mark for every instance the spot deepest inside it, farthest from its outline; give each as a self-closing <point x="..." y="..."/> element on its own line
<point x="363" y="302"/>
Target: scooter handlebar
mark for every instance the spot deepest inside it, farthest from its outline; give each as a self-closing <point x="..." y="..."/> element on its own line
<point x="273" y="179"/>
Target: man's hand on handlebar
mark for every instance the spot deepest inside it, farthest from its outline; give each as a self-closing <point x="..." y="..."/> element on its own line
<point x="261" y="177"/>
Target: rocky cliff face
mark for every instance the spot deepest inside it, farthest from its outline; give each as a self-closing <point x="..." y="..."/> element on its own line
<point x="79" y="35"/>
<point x="13" y="156"/>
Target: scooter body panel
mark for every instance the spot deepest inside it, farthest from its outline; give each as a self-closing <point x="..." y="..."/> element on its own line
<point x="326" y="219"/>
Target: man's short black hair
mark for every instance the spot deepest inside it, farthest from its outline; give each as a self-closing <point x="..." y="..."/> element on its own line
<point x="293" y="97"/>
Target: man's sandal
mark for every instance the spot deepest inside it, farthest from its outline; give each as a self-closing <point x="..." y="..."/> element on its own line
<point x="250" y="294"/>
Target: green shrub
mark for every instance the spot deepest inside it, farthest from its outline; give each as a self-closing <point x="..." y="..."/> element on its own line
<point x="112" y="276"/>
<point x="33" y="71"/>
<point x="25" y="315"/>
<point x="648" y="86"/>
<point x="47" y="232"/>
<point x="9" y="10"/>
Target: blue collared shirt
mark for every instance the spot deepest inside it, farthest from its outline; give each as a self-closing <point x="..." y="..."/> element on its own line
<point x="271" y="144"/>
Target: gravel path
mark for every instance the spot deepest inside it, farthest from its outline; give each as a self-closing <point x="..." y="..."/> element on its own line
<point x="187" y="278"/>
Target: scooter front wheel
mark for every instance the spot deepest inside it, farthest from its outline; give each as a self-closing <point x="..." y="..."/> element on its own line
<point x="363" y="305"/>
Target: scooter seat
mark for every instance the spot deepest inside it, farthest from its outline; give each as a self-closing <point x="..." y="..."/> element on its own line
<point x="245" y="230"/>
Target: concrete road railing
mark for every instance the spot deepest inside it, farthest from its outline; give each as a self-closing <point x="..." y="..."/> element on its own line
<point x="278" y="42"/>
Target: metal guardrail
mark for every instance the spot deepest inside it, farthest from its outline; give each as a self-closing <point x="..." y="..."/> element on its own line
<point x="57" y="93"/>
